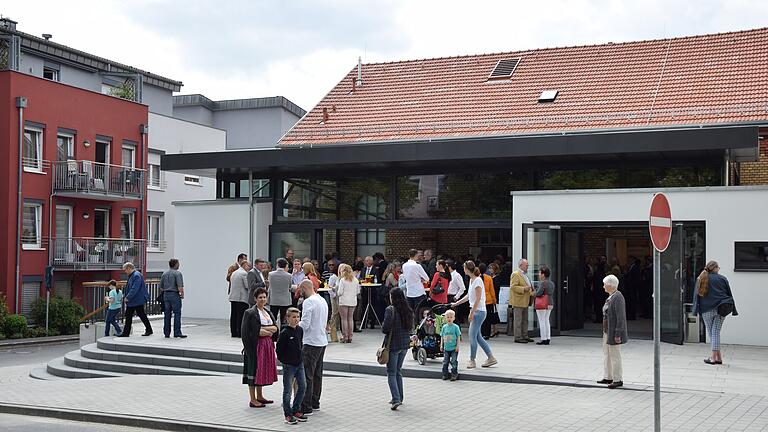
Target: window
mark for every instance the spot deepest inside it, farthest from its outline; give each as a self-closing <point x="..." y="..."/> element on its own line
<point x="30" y="291"/>
<point x="751" y="256"/>
<point x="155" y="176"/>
<point x="126" y="225"/>
<point x="30" y="234"/>
<point x="155" y="232"/>
<point x="65" y="147"/>
<point x="50" y="74"/>
<point x="128" y="159"/>
<point x="32" y="158"/>
<point x="192" y="180"/>
<point x="369" y="241"/>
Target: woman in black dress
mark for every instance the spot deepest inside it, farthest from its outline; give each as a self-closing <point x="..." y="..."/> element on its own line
<point x="259" y="333"/>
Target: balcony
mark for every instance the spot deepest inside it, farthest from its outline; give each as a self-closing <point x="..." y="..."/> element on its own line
<point x="88" y="253"/>
<point x="88" y="179"/>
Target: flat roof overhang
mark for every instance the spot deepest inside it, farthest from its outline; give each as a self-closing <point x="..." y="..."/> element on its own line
<point x="651" y="147"/>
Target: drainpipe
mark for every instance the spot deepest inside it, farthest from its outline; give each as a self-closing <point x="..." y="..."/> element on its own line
<point x="143" y="129"/>
<point x="250" y="215"/>
<point x="727" y="167"/>
<point x="21" y="103"/>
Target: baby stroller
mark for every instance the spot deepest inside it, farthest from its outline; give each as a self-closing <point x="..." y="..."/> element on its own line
<point x="427" y="338"/>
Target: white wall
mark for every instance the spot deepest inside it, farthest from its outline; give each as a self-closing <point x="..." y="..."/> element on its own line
<point x="177" y="136"/>
<point x="209" y="236"/>
<point x="731" y="214"/>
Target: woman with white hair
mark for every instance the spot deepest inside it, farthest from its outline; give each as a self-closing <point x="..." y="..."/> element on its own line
<point x="614" y="332"/>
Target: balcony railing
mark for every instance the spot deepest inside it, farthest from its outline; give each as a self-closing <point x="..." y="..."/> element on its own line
<point x="84" y="177"/>
<point x="87" y="253"/>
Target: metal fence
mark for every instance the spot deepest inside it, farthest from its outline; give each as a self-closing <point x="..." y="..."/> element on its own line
<point x="94" y="294"/>
<point x="89" y="253"/>
<point x="82" y="176"/>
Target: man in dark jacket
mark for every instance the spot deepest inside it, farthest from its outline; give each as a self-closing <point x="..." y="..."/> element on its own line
<point x="136" y="296"/>
<point x="289" y="345"/>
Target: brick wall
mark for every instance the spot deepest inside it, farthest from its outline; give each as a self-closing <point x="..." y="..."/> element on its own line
<point x="756" y="173"/>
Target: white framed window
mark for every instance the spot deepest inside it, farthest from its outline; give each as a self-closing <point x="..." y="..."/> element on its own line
<point x="191" y="180"/>
<point x="127" y="219"/>
<point x="50" y="74"/>
<point x="32" y="157"/>
<point x="155" y="230"/>
<point x="65" y="147"/>
<point x="31" y="226"/>
<point x="155" y="176"/>
<point x="129" y="156"/>
<point x="107" y="89"/>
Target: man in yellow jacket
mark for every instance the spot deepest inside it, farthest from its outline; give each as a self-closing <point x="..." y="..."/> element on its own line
<point x="520" y="290"/>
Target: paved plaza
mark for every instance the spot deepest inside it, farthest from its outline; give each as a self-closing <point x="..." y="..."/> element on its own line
<point x="695" y="396"/>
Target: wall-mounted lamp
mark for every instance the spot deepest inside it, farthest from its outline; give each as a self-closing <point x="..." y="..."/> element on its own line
<point x="86" y="143"/>
<point x="86" y="215"/>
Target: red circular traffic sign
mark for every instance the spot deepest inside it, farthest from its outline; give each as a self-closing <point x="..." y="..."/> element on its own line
<point x="660" y="222"/>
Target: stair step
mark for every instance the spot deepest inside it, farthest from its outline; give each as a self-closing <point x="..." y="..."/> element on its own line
<point x="41" y="373"/>
<point x="116" y="344"/>
<point x="58" y="368"/>
<point x="76" y="360"/>
<point x="92" y="351"/>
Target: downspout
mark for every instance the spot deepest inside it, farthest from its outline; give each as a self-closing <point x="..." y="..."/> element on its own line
<point x="250" y="215"/>
<point x="727" y="167"/>
<point x="21" y="103"/>
<point x="142" y="217"/>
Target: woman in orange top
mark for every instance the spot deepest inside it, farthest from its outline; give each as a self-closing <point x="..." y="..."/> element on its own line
<point x="311" y="274"/>
<point x="441" y="279"/>
<point x="490" y="305"/>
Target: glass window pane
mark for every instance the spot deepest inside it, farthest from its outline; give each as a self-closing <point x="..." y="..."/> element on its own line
<point x="30" y="223"/>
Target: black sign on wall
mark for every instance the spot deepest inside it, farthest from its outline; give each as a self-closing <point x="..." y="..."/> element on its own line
<point x="750" y="256"/>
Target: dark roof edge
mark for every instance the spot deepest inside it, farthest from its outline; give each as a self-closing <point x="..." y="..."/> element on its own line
<point x="36" y="44"/>
<point x="236" y="104"/>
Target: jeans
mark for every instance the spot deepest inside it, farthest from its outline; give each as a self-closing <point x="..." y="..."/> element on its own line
<point x="112" y="320"/>
<point x="289" y="373"/>
<point x="475" y="338"/>
<point x="172" y="303"/>
<point x="312" y="357"/>
<point x="138" y="310"/>
<point x="395" y="374"/>
<point x="451" y="357"/>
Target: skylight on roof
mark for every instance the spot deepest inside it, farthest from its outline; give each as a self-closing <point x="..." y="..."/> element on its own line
<point x="504" y="68"/>
<point x="548" y="96"/>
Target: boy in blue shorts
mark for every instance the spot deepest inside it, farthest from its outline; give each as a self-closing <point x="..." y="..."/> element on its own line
<point x="449" y="344"/>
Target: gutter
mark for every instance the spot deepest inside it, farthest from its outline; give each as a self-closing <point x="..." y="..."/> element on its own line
<point x="21" y="103"/>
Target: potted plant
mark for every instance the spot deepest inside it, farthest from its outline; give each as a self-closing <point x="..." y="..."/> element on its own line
<point x="95" y="254"/>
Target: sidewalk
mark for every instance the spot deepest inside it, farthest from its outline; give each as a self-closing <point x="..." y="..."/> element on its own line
<point x="12" y="343"/>
<point x="568" y="361"/>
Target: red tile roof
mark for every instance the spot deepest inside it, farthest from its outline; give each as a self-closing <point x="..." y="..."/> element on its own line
<point x="708" y="79"/>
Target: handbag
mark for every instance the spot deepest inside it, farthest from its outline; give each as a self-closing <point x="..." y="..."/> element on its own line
<point x="725" y="309"/>
<point x="382" y="354"/>
<point x="541" y="302"/>
<point x="438" y="289"/>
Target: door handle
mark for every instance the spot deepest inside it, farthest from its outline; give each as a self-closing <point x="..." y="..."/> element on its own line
<point x="565" y="285"/>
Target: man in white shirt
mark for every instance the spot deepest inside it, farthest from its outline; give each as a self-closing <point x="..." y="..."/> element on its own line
<point x="456" y="286"/>
<point x="314" y="321"/>
<point x="414" y="275"/>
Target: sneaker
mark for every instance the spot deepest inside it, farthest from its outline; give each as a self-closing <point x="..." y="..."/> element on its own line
<point x="615" y="384"/>
<point x="471" y="364"/>
<point x="395" y="406"/>
<point x="307" y="413"/>
<point x="454" y="377"/>
<point x="300" y="417"/>
<point x="445" y="377"/>
<point x="316" y="408"/>
<point x="290" y="420"/>
<point x="490" y="362"/>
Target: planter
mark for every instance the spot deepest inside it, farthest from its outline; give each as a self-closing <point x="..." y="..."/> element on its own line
<point x="94" y="259"/>
<point x="69" y="257"/>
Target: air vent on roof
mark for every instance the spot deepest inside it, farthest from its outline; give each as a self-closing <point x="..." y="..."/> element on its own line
<point x="504" y="68"/>
<point x="548" y="96"/>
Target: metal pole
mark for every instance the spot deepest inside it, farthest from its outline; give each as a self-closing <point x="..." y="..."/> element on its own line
<point x="250" y="215"/>
<point x="656" y="341"/>
<point x="47" y="303"/>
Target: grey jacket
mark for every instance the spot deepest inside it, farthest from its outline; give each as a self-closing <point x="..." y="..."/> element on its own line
<point x="238" y="292"/>
<point x="255" y="281"/>
<point x="279" y="288"/>
<point x="615" y="314"/>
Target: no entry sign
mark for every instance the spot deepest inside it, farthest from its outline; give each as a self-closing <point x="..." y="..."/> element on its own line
<point x="660" y="222"/>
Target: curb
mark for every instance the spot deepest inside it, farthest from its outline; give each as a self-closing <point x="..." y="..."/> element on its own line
<point x="104" y="417"/>
<point x="45" y="340"/>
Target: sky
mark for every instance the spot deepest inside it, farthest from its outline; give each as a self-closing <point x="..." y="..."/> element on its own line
<point x="300" y="49"/>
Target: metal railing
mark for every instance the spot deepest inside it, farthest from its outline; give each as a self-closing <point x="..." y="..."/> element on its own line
<point x="88" y="177"/>
<point x="89" y="253"/>
<point x="95" y="292"/>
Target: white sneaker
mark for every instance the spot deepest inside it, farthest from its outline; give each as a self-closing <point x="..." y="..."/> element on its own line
<point x="490" y="362"/>
<point x="471" y="364"/>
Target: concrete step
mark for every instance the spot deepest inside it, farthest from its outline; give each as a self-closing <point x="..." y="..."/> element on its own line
<point x="117" y="344"/>
<point x="58" y="368"/>
<point x="41" y="373"/>
<point x="76" y="360"/>
<point x="92" y="351"/>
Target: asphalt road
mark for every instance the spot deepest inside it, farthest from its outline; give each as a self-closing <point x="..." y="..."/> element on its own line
<point x="18" y="423"/>
<point x="35" y="354"/>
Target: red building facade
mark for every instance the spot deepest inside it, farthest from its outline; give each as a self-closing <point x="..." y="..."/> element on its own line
<point x="83" y="187"/>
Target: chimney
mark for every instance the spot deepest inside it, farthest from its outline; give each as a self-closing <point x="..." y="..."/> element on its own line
<point x="47" y="36"/>
<point x="354" y="84"/>
<point x="325" y="115"/>
<point x="359" y="71"/>
<point x="8" y="23"/>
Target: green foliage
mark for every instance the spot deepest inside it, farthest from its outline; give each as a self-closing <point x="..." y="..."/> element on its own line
<point x="3" y="312"/>
<point x="36" y="332"/>
<point x="124" y="91"/>
<point x="15" y="326"/>
<point x="63" y="315"/>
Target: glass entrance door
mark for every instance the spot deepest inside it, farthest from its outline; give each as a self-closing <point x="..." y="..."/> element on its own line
<point x="571" y="287"/>
<point x="673" y="288"/>
<point x="541" y="247"/>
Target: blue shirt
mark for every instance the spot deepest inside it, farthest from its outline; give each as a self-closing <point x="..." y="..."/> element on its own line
<point x="135" y="291"/>
<point x="450" y="333"/>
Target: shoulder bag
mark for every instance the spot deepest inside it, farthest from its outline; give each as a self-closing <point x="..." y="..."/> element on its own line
<point x="382" y="354"/>
<point x="542" y="302"/>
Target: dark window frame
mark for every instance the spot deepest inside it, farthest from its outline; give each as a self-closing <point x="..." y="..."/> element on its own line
<point x="756" y="246"/>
